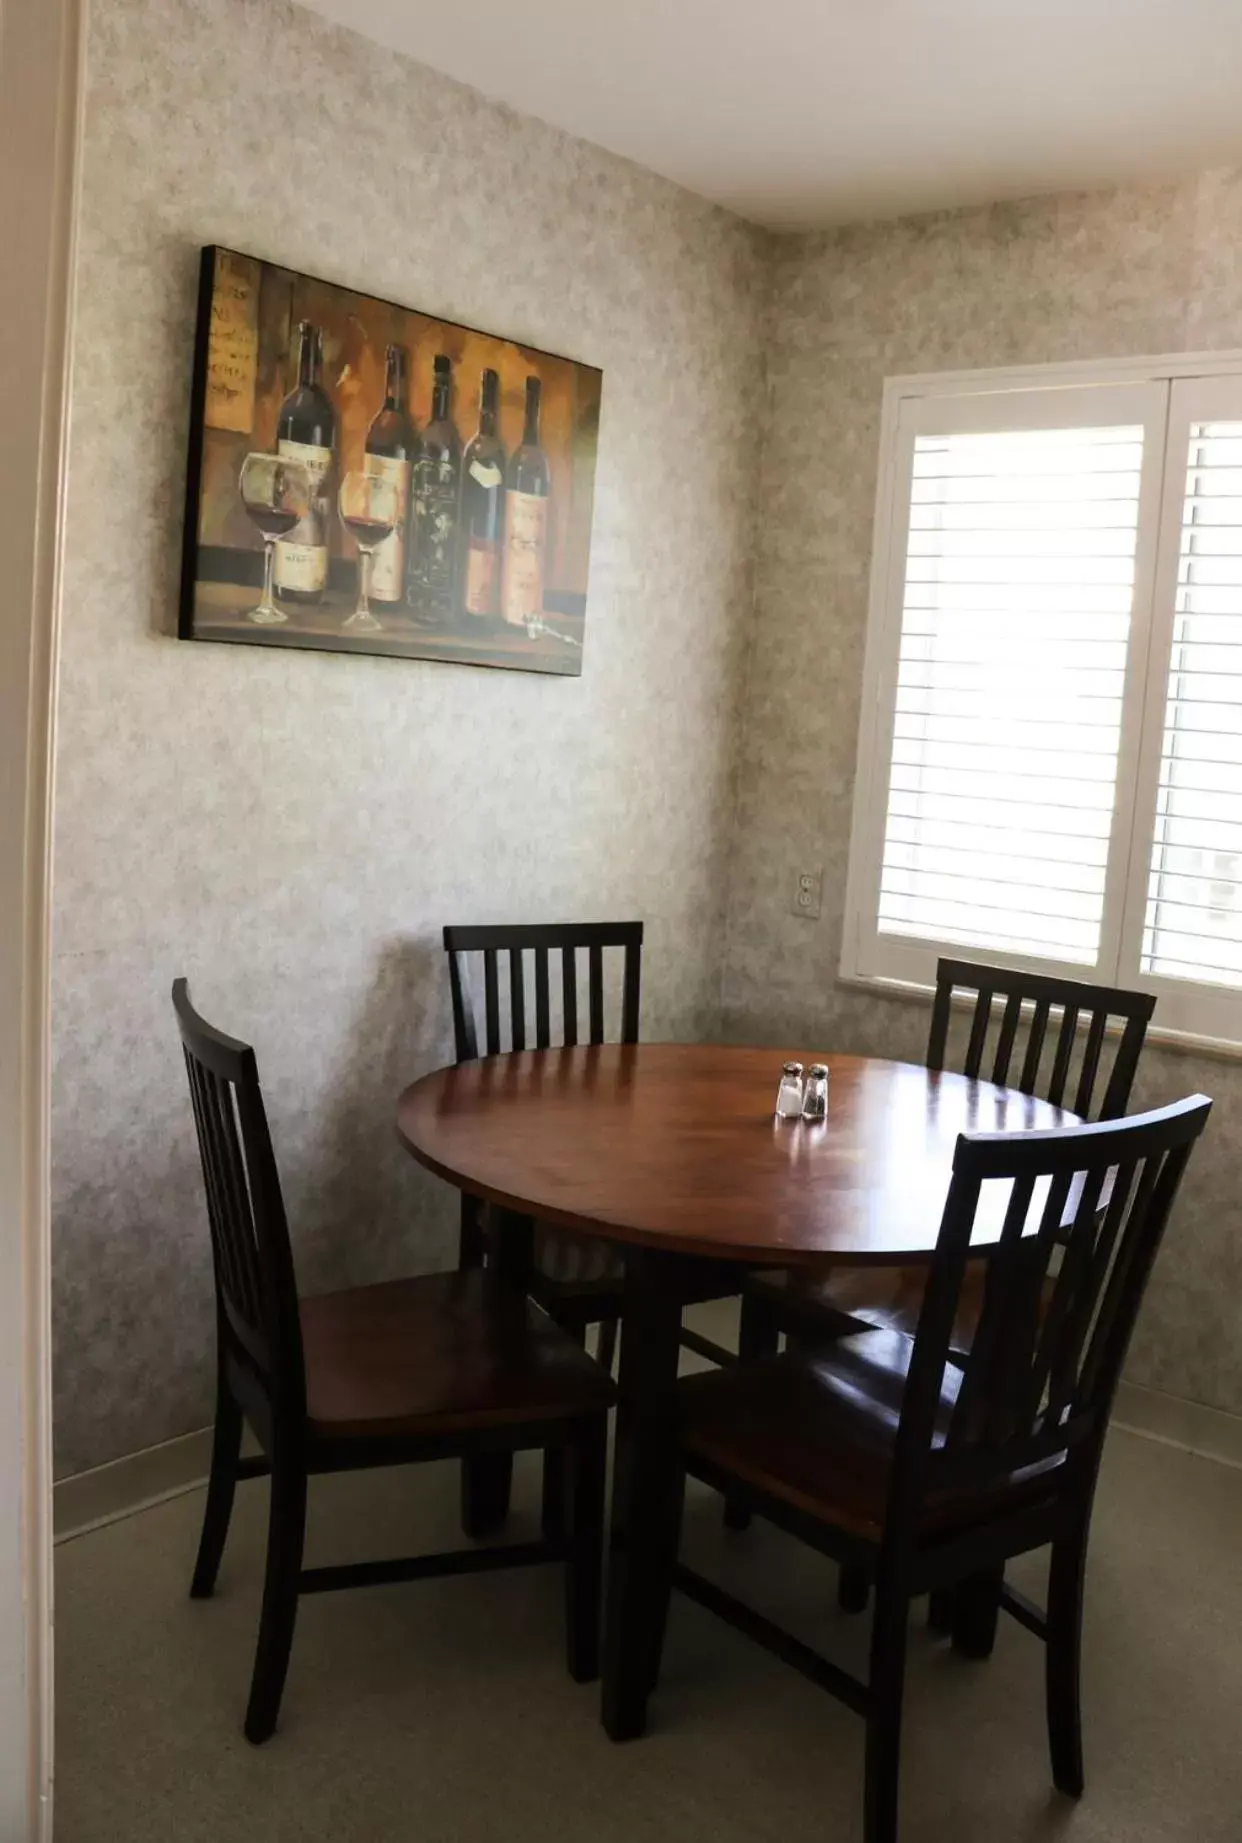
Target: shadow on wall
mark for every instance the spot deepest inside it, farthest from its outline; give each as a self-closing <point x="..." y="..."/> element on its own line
<point x="359" y="1207"/>
<point x="132" y="1288"/>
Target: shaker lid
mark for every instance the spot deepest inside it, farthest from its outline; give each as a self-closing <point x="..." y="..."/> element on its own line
<point x="793" y="1068"/>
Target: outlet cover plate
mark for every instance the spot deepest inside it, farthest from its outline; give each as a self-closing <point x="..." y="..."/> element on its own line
<point x="807" y="893"/>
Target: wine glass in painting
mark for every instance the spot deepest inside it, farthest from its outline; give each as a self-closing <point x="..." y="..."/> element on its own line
<point x="369" y="508"/>
<point x="276" y="494"/>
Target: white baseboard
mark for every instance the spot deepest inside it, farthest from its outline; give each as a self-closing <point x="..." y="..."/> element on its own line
<point x="110" y="1492"/>
<point x="1210" y="1432"/>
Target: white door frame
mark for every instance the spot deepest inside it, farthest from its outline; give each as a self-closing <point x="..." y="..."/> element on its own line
<point x="40" y="109"/>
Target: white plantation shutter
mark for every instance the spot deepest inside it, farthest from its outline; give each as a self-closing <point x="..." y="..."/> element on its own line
<point x="1192" y="924"/>
<point x="1018" y="593"/>
<point x="1050" y="758"/>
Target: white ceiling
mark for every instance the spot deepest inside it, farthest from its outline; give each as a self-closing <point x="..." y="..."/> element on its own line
<point x="806" y="112"/>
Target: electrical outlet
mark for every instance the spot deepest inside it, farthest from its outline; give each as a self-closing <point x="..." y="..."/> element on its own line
<point x="808" y="889"/>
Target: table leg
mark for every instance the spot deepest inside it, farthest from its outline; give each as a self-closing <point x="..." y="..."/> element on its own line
<point x="644" y="1508"/>
<point x="487" y="1480"/>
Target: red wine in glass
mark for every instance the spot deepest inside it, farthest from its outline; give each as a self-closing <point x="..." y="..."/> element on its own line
<point x="273" y="521"/>
<point x="368" y="533"/>
<point x="369" y="506"/>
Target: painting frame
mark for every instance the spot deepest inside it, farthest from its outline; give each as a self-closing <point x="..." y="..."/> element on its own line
<point x="507" y="588"/>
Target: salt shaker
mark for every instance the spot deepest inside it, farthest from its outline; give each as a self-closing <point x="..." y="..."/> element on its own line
<point x="815" y="1101"/>
<point x="789" y="1094"/>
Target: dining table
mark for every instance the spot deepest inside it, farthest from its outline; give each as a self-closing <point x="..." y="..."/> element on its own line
<point x="673" y="1153"/>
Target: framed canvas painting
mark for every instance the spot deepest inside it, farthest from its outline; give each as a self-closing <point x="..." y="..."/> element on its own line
<point x="366" y="478"/>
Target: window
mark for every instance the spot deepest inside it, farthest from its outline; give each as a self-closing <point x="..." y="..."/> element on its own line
<point x="1050" y="758"/>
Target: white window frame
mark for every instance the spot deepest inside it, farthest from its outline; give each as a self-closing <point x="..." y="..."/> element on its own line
<point x="1166" y="394"/>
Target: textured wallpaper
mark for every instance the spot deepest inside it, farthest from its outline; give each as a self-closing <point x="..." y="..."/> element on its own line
<point x="1111" y="274"/>
<point x="291" y="830"/>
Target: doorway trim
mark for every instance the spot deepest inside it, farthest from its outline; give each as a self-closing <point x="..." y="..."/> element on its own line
<point x="41" y="74"/>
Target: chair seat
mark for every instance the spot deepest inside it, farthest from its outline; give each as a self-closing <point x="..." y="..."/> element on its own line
<point x="439" y="1353"/>
<point x="843" y="1298"/>
<point x="576" y="1260"/>
<point x="817" y="1430"/>
<point x="868" y="1298"/>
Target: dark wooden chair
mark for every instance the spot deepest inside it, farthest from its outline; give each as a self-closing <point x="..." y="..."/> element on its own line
<point x="920" y="1467"/>
<point x="577" y="1280"/>
<point x="1008" y="1043"/>
<point x="444" y="1366"/>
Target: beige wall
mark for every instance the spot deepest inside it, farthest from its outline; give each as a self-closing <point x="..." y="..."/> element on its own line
<point x="1113" y="274"/>
<point x="291" y="829"/>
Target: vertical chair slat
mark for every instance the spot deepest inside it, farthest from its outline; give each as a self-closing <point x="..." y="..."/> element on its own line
<point x="1005" y="1041"/>
<point x="595" y="963"/>
<point x="1109" y="1281"/>
<point x="938" y="1036"/>
<point x="1090" y="1063"/>
<point x="543" y="1023"/>
<point x="517" y="998"/>
<point x="630" y="993"/>
<point x="1125" y="1065"/>
<point x="1065" y="1049"/>
<point x="241" y="1295"/>
<point x="1076" y="1289"/>
<point x="978" y="1034"/>
<point x="239" y="1200"/>
<point x="1034" y="1047"/>
<point x="1005" y="1385"/>
<point x="1078" y="1232"/>
<point x="491" y="1001"/>
<point x="226" y="1272"/>
<point x="569" y="994"/>
<point x="998" y="1286"/>
<point x="463" y="1009"/>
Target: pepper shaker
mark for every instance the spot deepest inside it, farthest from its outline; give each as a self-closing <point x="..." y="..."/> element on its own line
<point x="815" y="1101"/>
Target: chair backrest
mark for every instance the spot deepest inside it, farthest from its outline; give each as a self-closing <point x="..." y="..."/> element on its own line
<point x="256" y="1292"/>
<point x="555" y="986"/>
<point x="1083" y="1014"/>
<point x="1037" y="1384"/>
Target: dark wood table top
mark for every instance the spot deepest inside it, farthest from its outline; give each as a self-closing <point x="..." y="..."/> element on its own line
<point x="675" y="1146"/>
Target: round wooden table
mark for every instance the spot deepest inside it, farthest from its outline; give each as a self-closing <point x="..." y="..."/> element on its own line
<point x="672" y="1152"/>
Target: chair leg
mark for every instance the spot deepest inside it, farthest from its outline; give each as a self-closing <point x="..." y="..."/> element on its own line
<point x="225" y="1450"/>
<point x="759" y="1336"/>
<point x="888" y="1670"/>
<point x="552" y="1512"/>
<point x="286" y="1528"/>
<point x="853" y="1589"/>
<point x="584" y="1564"/>
<point x="606" y="1345"/>
<point x="668" y="1563"/>
<point x="976" y="1610"/>
<point x="486" y="1486"/>
<point x="1063" y="1661"/>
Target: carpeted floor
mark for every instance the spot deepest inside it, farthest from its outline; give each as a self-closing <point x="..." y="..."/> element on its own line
<point x="441" y="1711"/>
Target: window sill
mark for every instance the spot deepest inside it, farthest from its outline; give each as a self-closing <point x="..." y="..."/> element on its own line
<point x="1183" y="1042"/>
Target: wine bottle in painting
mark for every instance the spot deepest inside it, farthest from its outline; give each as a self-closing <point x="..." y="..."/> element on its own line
<point x="392" y="449"/>
<point x="483" y="510"/>
<point x="305" y="431"/>
<point x="433" y="521"/>
<point x="526" y="523"/>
